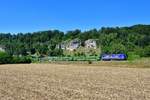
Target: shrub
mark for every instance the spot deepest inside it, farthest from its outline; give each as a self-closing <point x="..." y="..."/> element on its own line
<point x="89" y="62"/>
<point x="147" y="51"/>
<point x="21" y="60"/>
<point x="133" y="56"/>
<point x="5" y="58"/>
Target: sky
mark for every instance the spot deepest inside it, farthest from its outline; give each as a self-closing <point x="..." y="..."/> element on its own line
<point x="37" y="15"/>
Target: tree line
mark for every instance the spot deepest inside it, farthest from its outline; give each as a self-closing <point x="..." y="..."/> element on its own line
<point x="129" y="40"/>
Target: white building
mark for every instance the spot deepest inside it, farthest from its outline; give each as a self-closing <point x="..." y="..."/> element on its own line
<point x="73" y="45"/>
<point x="91" y="43"/>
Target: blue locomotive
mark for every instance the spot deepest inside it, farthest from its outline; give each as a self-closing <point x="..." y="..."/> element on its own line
<point x="109" y="57"/>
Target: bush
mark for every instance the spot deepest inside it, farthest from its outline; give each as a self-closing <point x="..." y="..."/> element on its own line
<point x="21" y="60"/>
<point x="5" y="58"/>
<point x="147" y="51"/>
<point x="89" y="62"/>
<point x="133" y="56"/>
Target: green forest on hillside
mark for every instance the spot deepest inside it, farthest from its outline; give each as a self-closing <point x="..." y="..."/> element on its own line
<point x="129" y="40"/>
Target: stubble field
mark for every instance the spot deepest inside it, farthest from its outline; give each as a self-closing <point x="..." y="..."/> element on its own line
<point x="73" y="82"/>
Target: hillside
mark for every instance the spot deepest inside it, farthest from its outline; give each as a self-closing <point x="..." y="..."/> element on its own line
<point x="129" y="40"/>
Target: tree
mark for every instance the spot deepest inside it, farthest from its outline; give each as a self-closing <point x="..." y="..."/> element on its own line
<point x="147" y="51"/>
<point x="56" y="52"/>
<point x="33" y="51"/>
<point x="118" y="48"/>
<point x="114" y="48"/>
<point x="111" y="39"/>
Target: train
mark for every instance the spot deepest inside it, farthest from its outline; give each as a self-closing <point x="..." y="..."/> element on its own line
<point x="109" y="57"/>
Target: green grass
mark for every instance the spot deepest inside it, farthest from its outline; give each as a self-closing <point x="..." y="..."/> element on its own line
<point x="138" y="63"/>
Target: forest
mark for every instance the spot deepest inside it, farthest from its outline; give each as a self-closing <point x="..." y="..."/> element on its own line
<point x="133" y="40"/>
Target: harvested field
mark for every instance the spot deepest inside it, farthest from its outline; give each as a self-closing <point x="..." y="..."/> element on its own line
<point x="73" y="82"/>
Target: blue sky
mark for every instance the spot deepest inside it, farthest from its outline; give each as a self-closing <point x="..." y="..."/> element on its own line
<point x="35" y="15"/>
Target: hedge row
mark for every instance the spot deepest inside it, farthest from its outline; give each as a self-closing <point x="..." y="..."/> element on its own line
<point x="8" y="59"/>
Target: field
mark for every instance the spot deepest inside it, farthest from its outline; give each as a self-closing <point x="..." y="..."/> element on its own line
<point x="73" y="82"/>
